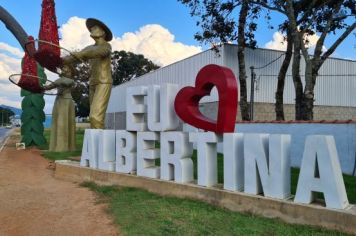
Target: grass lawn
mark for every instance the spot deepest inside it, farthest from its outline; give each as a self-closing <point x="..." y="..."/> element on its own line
<point x="138" y="212"/>
<point x="63" y="155"/>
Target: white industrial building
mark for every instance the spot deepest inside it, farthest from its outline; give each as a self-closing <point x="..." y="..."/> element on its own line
<point x="335" y="96"/>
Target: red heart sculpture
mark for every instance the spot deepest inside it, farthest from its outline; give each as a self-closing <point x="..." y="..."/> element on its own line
<point x="186" y="103"/>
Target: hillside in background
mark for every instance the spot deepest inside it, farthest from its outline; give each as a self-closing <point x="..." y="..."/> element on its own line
<point x="15" y="110"/>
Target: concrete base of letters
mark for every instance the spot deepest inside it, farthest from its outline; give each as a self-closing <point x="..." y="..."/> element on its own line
<point x="288" y="211"/>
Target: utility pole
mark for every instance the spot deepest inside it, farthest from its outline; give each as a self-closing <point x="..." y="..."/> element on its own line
<point x="252" y="94"/>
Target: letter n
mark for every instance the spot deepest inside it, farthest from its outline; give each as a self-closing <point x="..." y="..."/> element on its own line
<point x="267" y="165"/>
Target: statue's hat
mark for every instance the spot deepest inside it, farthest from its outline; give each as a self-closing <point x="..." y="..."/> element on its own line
<point x="93" y="22"/>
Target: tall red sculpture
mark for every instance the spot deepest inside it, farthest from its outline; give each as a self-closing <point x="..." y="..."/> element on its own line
<point x="29" y="79"/>
<point x="48" y="54"/>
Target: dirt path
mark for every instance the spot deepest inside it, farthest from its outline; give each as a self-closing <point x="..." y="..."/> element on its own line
<point x="32" y="202"/>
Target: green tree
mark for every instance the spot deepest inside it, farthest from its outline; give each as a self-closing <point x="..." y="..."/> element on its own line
<point x="128" y="65"/>
<point x="5" y="115"/>
<point x="80" y="92"/>
<point x="324" y="18"/>
<point x="125" y="66"/>
<point x="218" y="24"/>
<point x="305" y="18"/>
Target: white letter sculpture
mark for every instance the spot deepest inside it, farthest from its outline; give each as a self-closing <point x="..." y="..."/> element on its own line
<point x="176" y="152"/>
<point x="160" y="107"/>
<point x="136" y="108"/>
<point x="125" y="151"/>
<point x="106" y="157"/>
<point x="146" y="154"/>
<point x="207" y="157"/>
<point x="321" y="172"/>
<point x="89" y="156"/>
<point x="267" y="165"/>
<point x="233" y="147"/>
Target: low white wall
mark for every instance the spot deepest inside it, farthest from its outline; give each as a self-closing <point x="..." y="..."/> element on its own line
<point x="344" y="135"/>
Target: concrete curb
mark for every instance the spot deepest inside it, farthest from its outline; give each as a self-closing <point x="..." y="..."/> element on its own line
<point x="342" y="220"/>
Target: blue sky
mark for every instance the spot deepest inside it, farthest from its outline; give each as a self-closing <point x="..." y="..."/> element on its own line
<point x="162" y="30"/>
<point x="121" y="16"/>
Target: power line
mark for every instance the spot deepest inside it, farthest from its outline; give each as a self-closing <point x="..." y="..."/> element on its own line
<point x="269" y="63"/>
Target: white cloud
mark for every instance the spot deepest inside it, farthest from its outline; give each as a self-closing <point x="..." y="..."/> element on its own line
<point x="153" y="41"/>
<point x="13" y="50"/>
<point x="6" y="87"/>
<point x="279" y="43"/>
<point x="156" y="43"/>
<point x="8" y="102"/>
<point x="74" y="34"/>
<point x="9" y="64"/>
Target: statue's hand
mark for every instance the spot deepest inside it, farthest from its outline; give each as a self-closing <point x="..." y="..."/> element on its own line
<point x="46" y="87"/>
<point x="67" y="60"/>
<point x="64" y="82"/>
<point x="49" y="87"/>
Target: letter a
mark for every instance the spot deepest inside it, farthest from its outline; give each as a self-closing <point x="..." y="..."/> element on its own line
<point x="321" y="172"/>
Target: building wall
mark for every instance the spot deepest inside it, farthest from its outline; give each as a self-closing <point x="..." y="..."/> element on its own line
<point x="334" y="91"/>
<point x="265" y="111"/>
<point x="343" y="134"/>
<point x="182" y="73"/>
<point x="262" y="112"/>
<point x="335" y="85"/>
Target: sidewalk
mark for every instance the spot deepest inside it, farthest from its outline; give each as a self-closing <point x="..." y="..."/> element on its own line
<point x="32" y="202"/>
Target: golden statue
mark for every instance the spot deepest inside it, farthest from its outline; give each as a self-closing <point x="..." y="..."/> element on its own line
<point x="63" y="114"/>
<point x="100" y="81"/>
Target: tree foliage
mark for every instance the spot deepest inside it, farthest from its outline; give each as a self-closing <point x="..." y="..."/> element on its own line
<point x="5" y="115"/>
<point x="223" y="21"/>
<point x="219" y="22"/>
<point x="305" y="18"/>
<point x="128" y="65"/>
<point x="226" y="21"/>
<point x="125" y="66"/>
<point x="80" y="92"/>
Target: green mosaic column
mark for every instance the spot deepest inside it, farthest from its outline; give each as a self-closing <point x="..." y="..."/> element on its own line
<point x="33" y="116"/>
